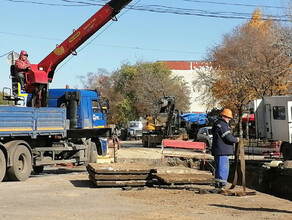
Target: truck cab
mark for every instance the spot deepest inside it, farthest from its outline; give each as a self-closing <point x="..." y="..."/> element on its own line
<point x="85" y="108"/>
<point x="273" y="120"/>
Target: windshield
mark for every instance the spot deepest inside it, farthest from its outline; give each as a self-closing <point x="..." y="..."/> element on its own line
<point x="135" y="124"/>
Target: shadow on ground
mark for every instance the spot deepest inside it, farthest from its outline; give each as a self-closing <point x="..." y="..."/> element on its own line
<point x="252" y="209"/>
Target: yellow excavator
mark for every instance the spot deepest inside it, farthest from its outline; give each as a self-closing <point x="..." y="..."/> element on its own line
<point x="165" y="124"/>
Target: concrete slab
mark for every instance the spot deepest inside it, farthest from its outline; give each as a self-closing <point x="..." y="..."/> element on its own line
<point x="120" y="168"/>
<point x="185" y="178"/>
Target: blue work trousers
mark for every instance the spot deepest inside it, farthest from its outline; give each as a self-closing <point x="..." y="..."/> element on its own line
<point x="221" y="169"/>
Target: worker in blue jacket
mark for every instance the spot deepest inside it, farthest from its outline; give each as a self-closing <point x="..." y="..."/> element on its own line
<point x="222" y="147"/>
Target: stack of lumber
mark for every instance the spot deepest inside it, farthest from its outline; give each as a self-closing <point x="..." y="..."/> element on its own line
<point x="120" y="174"/>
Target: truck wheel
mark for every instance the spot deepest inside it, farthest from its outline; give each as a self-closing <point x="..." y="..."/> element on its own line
<point x="2" y="166"/>
<point x="287" y="151"/>
<point x="21" y="168"/>
<point x="145" y="143"/>
<point x="38" y="169"/>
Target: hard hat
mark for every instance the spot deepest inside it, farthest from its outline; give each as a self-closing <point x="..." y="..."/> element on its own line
<point x="227" y="113"/>
<point x="23" y="53"/>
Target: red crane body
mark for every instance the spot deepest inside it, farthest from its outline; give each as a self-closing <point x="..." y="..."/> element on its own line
<point x="41" y="74"/>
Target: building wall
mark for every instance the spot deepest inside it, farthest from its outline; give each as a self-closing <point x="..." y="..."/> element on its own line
<point x="189" y="71"/>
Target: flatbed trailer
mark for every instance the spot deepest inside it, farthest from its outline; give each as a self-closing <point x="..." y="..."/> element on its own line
<point x="31" y="138"/>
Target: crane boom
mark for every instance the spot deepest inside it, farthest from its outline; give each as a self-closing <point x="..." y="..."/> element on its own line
<point x="41" y="74"/>
<point x="78" y="37"/>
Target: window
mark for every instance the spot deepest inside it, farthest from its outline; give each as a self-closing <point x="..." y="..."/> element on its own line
<point x="279" y="113"/>
<point x="96" y="106"/>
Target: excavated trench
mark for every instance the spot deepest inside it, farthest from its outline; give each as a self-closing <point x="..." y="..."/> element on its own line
<point x="276" y="181"/>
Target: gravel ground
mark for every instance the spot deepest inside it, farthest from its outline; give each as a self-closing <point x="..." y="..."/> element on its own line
<point x="66" y="193"/>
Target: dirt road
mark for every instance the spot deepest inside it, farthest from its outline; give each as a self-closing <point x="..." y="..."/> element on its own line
<point x="66" y="193"/>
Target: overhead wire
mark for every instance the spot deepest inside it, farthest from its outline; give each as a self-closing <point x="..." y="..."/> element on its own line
<point x="95" y="37"/>
<point x="234" y="4"/>
<point x="174" y="10"/>
<point x="217" y="3"/>
<point x="99" y="44"/>
<point x="42" y="3"/>
<point x="3" y="55"/>
<point x="157" y="9"/>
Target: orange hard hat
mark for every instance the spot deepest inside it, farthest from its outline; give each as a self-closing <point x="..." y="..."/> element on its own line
<point x="227" y="113"/>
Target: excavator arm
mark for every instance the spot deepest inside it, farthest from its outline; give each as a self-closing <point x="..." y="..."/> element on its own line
<point x="41" y="74"/>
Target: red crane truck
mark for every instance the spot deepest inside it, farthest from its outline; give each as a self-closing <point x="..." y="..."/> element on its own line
<point x="62" y="125"/>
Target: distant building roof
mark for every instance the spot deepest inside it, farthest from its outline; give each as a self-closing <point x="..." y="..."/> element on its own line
<point x="185" y="65"/>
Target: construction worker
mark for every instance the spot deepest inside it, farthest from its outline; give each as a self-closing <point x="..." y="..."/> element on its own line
<point x="222" y="147"/>
<point x="22" y="65"/>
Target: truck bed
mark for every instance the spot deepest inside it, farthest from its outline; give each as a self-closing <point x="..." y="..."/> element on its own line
<point x="30" y="121"/>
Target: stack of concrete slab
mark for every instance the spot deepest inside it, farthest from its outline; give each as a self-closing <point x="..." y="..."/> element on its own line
<point x="120" y="174"/>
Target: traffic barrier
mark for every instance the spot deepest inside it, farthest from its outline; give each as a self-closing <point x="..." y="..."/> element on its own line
<point x="185" y="145"/>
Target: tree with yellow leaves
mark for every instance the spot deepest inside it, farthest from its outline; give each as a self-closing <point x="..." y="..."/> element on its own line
<point x="248" y="64"/>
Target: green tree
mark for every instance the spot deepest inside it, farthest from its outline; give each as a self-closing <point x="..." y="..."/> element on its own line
<point x="3" y="102"/>
<point x="134" y="90"/>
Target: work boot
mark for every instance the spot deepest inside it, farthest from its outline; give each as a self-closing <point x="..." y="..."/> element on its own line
<point x="219" y="185"/>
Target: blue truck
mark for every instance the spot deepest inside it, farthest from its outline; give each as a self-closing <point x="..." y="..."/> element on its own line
<point x="59" y="125"/>
<point x="68" y="131"/>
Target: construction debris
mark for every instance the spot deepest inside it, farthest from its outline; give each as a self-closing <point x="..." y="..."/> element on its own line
<point x="225" y="192"/>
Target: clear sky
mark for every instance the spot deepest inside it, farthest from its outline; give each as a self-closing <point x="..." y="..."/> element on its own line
<point x="176" y="30"/>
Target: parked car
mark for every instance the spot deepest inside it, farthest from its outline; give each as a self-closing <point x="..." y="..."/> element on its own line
<point x="205" y="135"/>
<point x="135" y="129"/>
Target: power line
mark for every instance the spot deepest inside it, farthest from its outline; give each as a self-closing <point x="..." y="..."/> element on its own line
<point x="47" y="4"/>
<point x="95" y="37"/>
<point x="195" y="12"/>
<point x="5" y="54"/>
<point x="98" y="44"/>
<point x="30" y="36"/>
<point x="234" y="4"/>
<point x="213" y="3"/>
<point x="172" y="10"/>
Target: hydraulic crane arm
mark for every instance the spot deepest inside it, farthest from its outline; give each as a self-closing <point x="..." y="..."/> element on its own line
<point x="78" y="37"/>
<point x="41" y="74"/>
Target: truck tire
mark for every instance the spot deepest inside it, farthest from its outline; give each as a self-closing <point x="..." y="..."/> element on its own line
<point x="38" y="169"/>
<point x="98" y="148"/>
<point x="286" y="149"/>
<point x="21" y="168"/>
<point x="2" y="165"/>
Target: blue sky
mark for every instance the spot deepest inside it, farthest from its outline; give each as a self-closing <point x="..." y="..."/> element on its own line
<point x="137" y="36"/>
